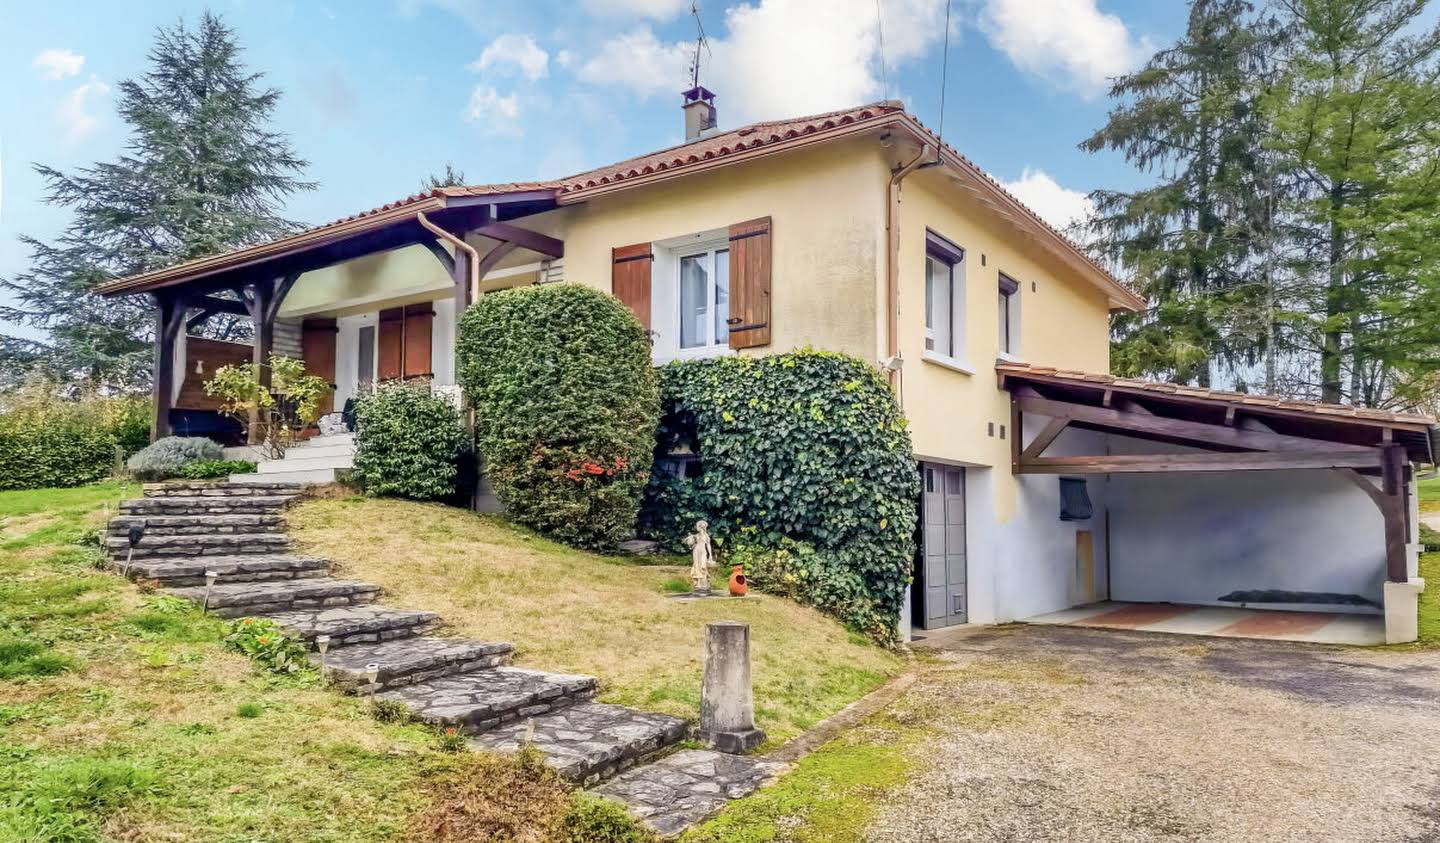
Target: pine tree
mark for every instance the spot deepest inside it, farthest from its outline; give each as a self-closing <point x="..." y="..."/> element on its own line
<point x="450" y="178"/>
<point x="1357" y="121"/>
<point x="202" y="173"/>
<point x="1189" y="118"/>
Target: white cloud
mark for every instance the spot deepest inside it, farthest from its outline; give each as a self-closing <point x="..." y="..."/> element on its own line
<point x="565" y="58"/>
<point x="656" y="9"/>
<point x="1057" y="205"/>
<point x="778" y="58"/>
<point x="73" y="115"/>
<point x="514" y="52"/>
<point x="58" y="64"/>
<point x="498" y="114"/>
<point x="1070" y="43"/>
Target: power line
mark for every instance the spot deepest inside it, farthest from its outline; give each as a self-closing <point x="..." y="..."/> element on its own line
<point x="944" y="74"/>
<point x="880" y="31"/>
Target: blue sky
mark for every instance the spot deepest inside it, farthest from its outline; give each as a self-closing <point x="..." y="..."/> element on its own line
<point x="379" y="93"/>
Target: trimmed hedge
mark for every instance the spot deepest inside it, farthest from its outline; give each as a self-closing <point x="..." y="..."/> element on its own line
<point x="805" y="454"/>
<point x="47" y="441"/>
<point x="409" y="443"/>
<point x="566" y="405"/>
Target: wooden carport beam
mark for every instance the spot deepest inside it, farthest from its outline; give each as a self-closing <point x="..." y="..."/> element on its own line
<point x="1198" y="433"/>
<point x="1201" y="461"/>
<point x="1391" y="499"/>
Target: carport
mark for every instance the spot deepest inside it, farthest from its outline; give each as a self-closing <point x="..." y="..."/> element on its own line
<point x="1231" y="500"/>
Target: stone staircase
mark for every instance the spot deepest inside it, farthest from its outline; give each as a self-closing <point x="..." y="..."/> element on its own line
<point x="320" y="459"/>
<point x="179" y="532"/>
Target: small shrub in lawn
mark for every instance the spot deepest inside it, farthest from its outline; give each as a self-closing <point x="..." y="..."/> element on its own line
<point x="267" y="645"/>
<point x="165" y="458"/>
<point x="451" y="739"/>
<point x="410" y="443"/>
<point x="592" y="819"/>
<point x="211" y="469"/>
<point x="389" y="711"/>
<point x="21" y="657"/>
<point x="249" y="710"/>
<point x="565" y="408"/>
<point x="675" y="586"/>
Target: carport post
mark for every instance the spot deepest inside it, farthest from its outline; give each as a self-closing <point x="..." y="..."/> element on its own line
<point x="1393" y="508"/>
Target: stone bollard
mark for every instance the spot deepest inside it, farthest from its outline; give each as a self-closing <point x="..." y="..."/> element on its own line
<point x="727" y="702"/>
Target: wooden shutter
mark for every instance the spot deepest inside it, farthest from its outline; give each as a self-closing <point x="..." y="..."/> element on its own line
<point x="750" y="283"/>
<point x="419" y="321"/>
<point x="630" y="279"/>
<point x="317" y="345"/>
<point x="390" y="353"/>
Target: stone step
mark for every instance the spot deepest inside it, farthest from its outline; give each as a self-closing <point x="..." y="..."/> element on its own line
<point x="219" y="489"/>
<point x="206" y="505"/>
<point x="475" y="702"/>
<point x="176" y="573"/>
<point x="354" y="625"/>
<point x="308" y="477"/>
<point x="220" y="544"/>
<point x="590" y="742"/>
<point x="409" y="660"/>
<point x="680" y="790"/>
<point x="263" y="598"/>
<point x="294" y="462"/>
<point x="180" y="525"/>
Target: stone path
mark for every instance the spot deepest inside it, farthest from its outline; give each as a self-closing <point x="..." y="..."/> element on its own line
<point x="179" y="535"/>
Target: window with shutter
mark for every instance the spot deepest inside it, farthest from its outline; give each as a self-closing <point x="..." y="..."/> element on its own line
<point x="750" y="262"/>
<point x="630" y="279"/>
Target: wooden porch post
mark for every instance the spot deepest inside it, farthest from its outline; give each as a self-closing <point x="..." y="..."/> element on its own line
<point x="460" y="275"/>
<point x="262" y="317"/>
<point x="1393" y="508"/>
<point x="169" y="319"/>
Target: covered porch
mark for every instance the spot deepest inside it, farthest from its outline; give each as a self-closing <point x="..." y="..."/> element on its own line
<point x="1200" y="503"/>
<point x="369" y="298"/>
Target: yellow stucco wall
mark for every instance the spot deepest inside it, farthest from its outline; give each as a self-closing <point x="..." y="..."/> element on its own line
<point x="827" y="210"/>
<point x="1064" y="322"/>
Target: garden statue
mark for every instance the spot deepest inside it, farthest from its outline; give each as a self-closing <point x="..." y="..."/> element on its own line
<point x="702" y="558"/>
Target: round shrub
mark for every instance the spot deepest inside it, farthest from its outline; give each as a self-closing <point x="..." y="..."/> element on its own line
<point x="566" y="405"/>
<point x="806" y="463"/>
<point x="165" y="458"/>
<point x="48" y="440"/>
<point x="409" y="443"/>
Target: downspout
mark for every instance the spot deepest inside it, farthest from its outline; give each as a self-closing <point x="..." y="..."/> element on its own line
<point x="474" y="264"/>
<point x="892" y="264"/>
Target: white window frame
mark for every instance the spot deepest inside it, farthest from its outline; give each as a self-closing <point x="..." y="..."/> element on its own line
<point x="1007" y="315"/>
<point x="947" y="252"/>
<point x="665" y="295"/>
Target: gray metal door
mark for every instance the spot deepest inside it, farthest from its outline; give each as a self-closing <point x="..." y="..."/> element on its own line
<point x="943" y="501"/>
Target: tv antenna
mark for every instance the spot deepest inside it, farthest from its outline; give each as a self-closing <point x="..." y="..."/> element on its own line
<point x="701" y="42"/>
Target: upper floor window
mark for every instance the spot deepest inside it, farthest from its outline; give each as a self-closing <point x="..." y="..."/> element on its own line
<point x="1009" y="311"/>
<point x="704" y="300"/>
<point x="944" y="297"/>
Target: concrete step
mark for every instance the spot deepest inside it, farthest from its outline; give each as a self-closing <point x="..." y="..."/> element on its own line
<point x="181" y="525"/>
<point x="590" y="742"/>
<point x="331" y="441"/>
<point x="219" y="489"/>
<point x="475" y="702"/>
<point x="409" y="660"/>
<point x="308" y="451"/>
<point x="262" y="598"/>
<point x="198" y="505"/>
<point x="354" y="625"/>
<point x="311" y="477"/>
<point x="218" y="544"/>
<point x="176" y="573"/>
<point x="304" y="462"/>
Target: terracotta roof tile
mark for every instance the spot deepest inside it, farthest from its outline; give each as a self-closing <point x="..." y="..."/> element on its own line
<point x="1251" y="399"/>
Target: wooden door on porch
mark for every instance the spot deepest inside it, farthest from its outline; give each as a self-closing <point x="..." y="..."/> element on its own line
<point x="404" y="342"/>
<point x="317" y="346"/>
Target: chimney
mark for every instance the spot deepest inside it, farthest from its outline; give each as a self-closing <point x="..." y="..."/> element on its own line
<point x="699" y="108"/>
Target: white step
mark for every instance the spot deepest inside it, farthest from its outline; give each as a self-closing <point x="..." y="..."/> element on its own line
<point x="326" y="441"/>
<point x="339" y="449"/>
<point x="301" y="463"/>
<point x="306" y="476"/>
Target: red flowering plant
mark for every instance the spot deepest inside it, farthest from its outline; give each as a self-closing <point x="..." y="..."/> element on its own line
<point x="267" y="644"/>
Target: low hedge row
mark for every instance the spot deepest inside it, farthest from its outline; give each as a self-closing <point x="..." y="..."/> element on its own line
<point x="48" y="441"/>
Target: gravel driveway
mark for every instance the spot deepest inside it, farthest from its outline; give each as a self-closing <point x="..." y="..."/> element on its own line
<point x="1064" y="734"/>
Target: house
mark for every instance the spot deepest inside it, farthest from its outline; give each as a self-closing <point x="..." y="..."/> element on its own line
<point x="1047" y="483"/>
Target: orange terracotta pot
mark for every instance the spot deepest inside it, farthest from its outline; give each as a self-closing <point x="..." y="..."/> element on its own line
<point x="738" y="583"/>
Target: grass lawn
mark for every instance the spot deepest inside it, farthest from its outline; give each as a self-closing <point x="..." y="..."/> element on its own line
<point x="1429" y="494"/>
<point x="1430" y="600"/>
<point x="572" y="611"/>
<point x="123" y="718"/>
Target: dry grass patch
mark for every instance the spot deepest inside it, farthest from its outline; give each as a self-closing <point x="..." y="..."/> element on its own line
<point x="568" y="610"/>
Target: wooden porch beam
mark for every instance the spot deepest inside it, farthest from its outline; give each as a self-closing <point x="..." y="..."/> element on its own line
<point x="1047" y="435"/>
<point x="445" y="258"/>
<point x="212" y="305"/>
<point x="1198" y="433"/>
<point x="1158" y="463"/>
<point x="524" y="238"/>
<point x="493" y="257"/>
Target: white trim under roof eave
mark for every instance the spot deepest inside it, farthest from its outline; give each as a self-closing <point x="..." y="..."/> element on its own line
<point x="372" y="299"/>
